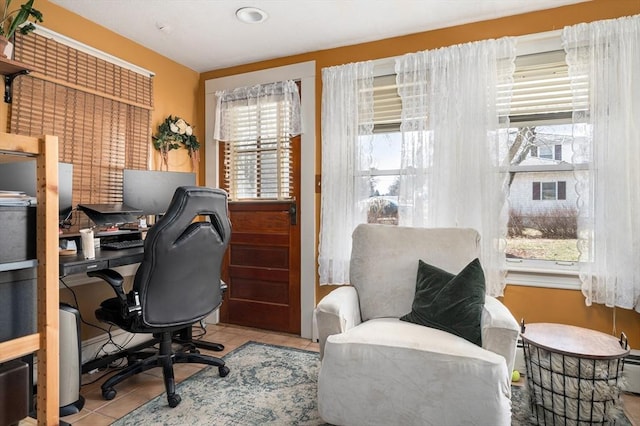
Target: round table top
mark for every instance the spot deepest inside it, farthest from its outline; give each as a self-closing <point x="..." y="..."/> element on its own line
<point x="574" y="341"/>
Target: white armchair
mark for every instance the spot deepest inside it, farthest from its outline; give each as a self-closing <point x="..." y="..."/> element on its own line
<point x="379" y="370"/>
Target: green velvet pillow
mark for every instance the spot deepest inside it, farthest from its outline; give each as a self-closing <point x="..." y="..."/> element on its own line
<point x="448" y="302"/>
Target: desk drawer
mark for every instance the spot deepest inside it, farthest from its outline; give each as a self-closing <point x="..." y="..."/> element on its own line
<point x="82" y="267"/>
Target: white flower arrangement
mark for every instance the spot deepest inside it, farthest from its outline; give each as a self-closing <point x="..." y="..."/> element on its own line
<point x="173" y="132"/>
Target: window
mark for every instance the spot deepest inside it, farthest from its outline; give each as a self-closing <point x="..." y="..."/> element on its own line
<point x="382" y="175"/>
<point x="549" y="152"/>
<point x="256" y="126"/>
<point x="383" y="178"/>
<point x="542" y="198"/>
<point x="549" y="190"/>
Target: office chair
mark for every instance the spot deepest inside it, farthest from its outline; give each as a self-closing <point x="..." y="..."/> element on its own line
<point x="176" y="285"/>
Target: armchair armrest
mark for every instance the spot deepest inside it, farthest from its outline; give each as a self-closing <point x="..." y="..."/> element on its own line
<point x="500" y="331"/>
<point x="337" y="312"/>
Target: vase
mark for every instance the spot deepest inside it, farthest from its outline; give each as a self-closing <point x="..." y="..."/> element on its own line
<point x="6" y="48"/>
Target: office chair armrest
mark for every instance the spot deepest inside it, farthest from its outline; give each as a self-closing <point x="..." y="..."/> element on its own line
<point x="113" y="278"/>
<point x="130" y="303"/>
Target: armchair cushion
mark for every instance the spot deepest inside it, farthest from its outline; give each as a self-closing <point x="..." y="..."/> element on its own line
<point x="448" y="302"/>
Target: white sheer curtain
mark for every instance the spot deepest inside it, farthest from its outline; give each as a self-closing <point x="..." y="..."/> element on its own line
<point x="347" y="116"/>
<point x="454" y="128"/>
<point x="232" y="104"/>
<point x="606" y="55"/>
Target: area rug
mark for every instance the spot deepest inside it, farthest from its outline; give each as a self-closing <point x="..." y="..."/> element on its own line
<point x="267" y="385"/>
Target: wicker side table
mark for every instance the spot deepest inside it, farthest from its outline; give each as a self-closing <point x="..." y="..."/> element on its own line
<point x="572" y="374"/>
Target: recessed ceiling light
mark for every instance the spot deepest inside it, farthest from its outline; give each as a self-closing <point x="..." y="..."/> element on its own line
<point x="251" y="15"/>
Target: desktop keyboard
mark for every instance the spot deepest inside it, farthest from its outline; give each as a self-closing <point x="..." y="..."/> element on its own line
<point x="121" y="245"/>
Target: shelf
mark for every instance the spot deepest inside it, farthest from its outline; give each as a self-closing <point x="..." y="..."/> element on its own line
<point x="11" y="69"/>
<point x="45" y="342"/>
<point x="19" y="346"/>
<point x="23" y="264"/>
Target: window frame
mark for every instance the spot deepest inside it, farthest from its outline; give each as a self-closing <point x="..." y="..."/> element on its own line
<point x="520" y="272"/>
<point x="533" y="272"/>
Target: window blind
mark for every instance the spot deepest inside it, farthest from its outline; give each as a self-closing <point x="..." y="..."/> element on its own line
<point x="258" y="158"/>
<point x="256" y="126"/>
<point x="100" y="112"/>
<point x="387" y="105"/>
<point x="542" y="89"/>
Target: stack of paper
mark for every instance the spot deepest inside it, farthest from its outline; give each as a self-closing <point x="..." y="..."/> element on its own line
<point x="16" y="198"/>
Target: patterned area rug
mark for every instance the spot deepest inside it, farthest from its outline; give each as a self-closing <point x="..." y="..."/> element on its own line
<point x="267" y="385"/>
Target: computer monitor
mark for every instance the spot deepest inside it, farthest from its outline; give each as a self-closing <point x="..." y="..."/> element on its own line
<point x="21" y="176"/>
<point x="152" y="190"/>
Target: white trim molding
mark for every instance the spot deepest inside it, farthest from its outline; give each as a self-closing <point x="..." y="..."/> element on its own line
<point x="305" y="72"/>
<point x="67" y="41"/>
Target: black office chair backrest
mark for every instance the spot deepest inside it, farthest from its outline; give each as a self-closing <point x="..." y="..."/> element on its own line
<point x="178" y="281"/>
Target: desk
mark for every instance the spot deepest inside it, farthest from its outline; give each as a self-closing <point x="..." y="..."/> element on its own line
<point x="105" y="259"/>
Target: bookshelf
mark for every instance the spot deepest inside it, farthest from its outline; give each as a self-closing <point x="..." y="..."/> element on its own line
<point x="45" y="342"/>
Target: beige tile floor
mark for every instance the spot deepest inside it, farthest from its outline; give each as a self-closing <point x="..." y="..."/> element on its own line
<point x="141" y="388"/>
<point x="138" y="390"/>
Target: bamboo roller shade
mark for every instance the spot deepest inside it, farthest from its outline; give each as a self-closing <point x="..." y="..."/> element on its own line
<point x="100" y="112"/>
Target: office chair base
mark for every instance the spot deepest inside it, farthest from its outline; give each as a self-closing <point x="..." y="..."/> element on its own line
<point x="174" y="400"/>
<point x="185" y="337"/>
<point x="109" y="393"/>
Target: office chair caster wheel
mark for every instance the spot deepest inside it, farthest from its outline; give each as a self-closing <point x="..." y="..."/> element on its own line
<point x="109" y="394"/>
<point x="174" y="400"/>
<point x="223" y="371"/>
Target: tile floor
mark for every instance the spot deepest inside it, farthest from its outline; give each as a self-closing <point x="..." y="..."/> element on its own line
<point x="137" y="390"/>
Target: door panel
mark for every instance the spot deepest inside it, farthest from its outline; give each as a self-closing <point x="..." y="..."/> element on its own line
<point x="263" y="274"/>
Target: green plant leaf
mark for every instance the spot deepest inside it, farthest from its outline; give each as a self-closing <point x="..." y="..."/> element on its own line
<point x="25" y="12"/>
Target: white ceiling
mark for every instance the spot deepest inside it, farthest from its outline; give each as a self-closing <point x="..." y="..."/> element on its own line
<point x="205" y="35"/>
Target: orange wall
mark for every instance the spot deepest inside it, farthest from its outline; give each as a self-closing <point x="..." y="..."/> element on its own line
<point x="531" y="303"/>
<point x="175" y="93"/>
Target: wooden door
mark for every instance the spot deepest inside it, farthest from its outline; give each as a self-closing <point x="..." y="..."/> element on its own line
<point x="263" y="267"/>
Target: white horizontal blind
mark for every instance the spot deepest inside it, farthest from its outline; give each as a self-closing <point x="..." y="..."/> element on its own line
<point x="542" y="89"/>
<point x="258" y="155"/>
<point x="387" y="105"/>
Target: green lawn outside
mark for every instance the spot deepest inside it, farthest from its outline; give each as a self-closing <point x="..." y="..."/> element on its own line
<point x="543" y="249"/>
